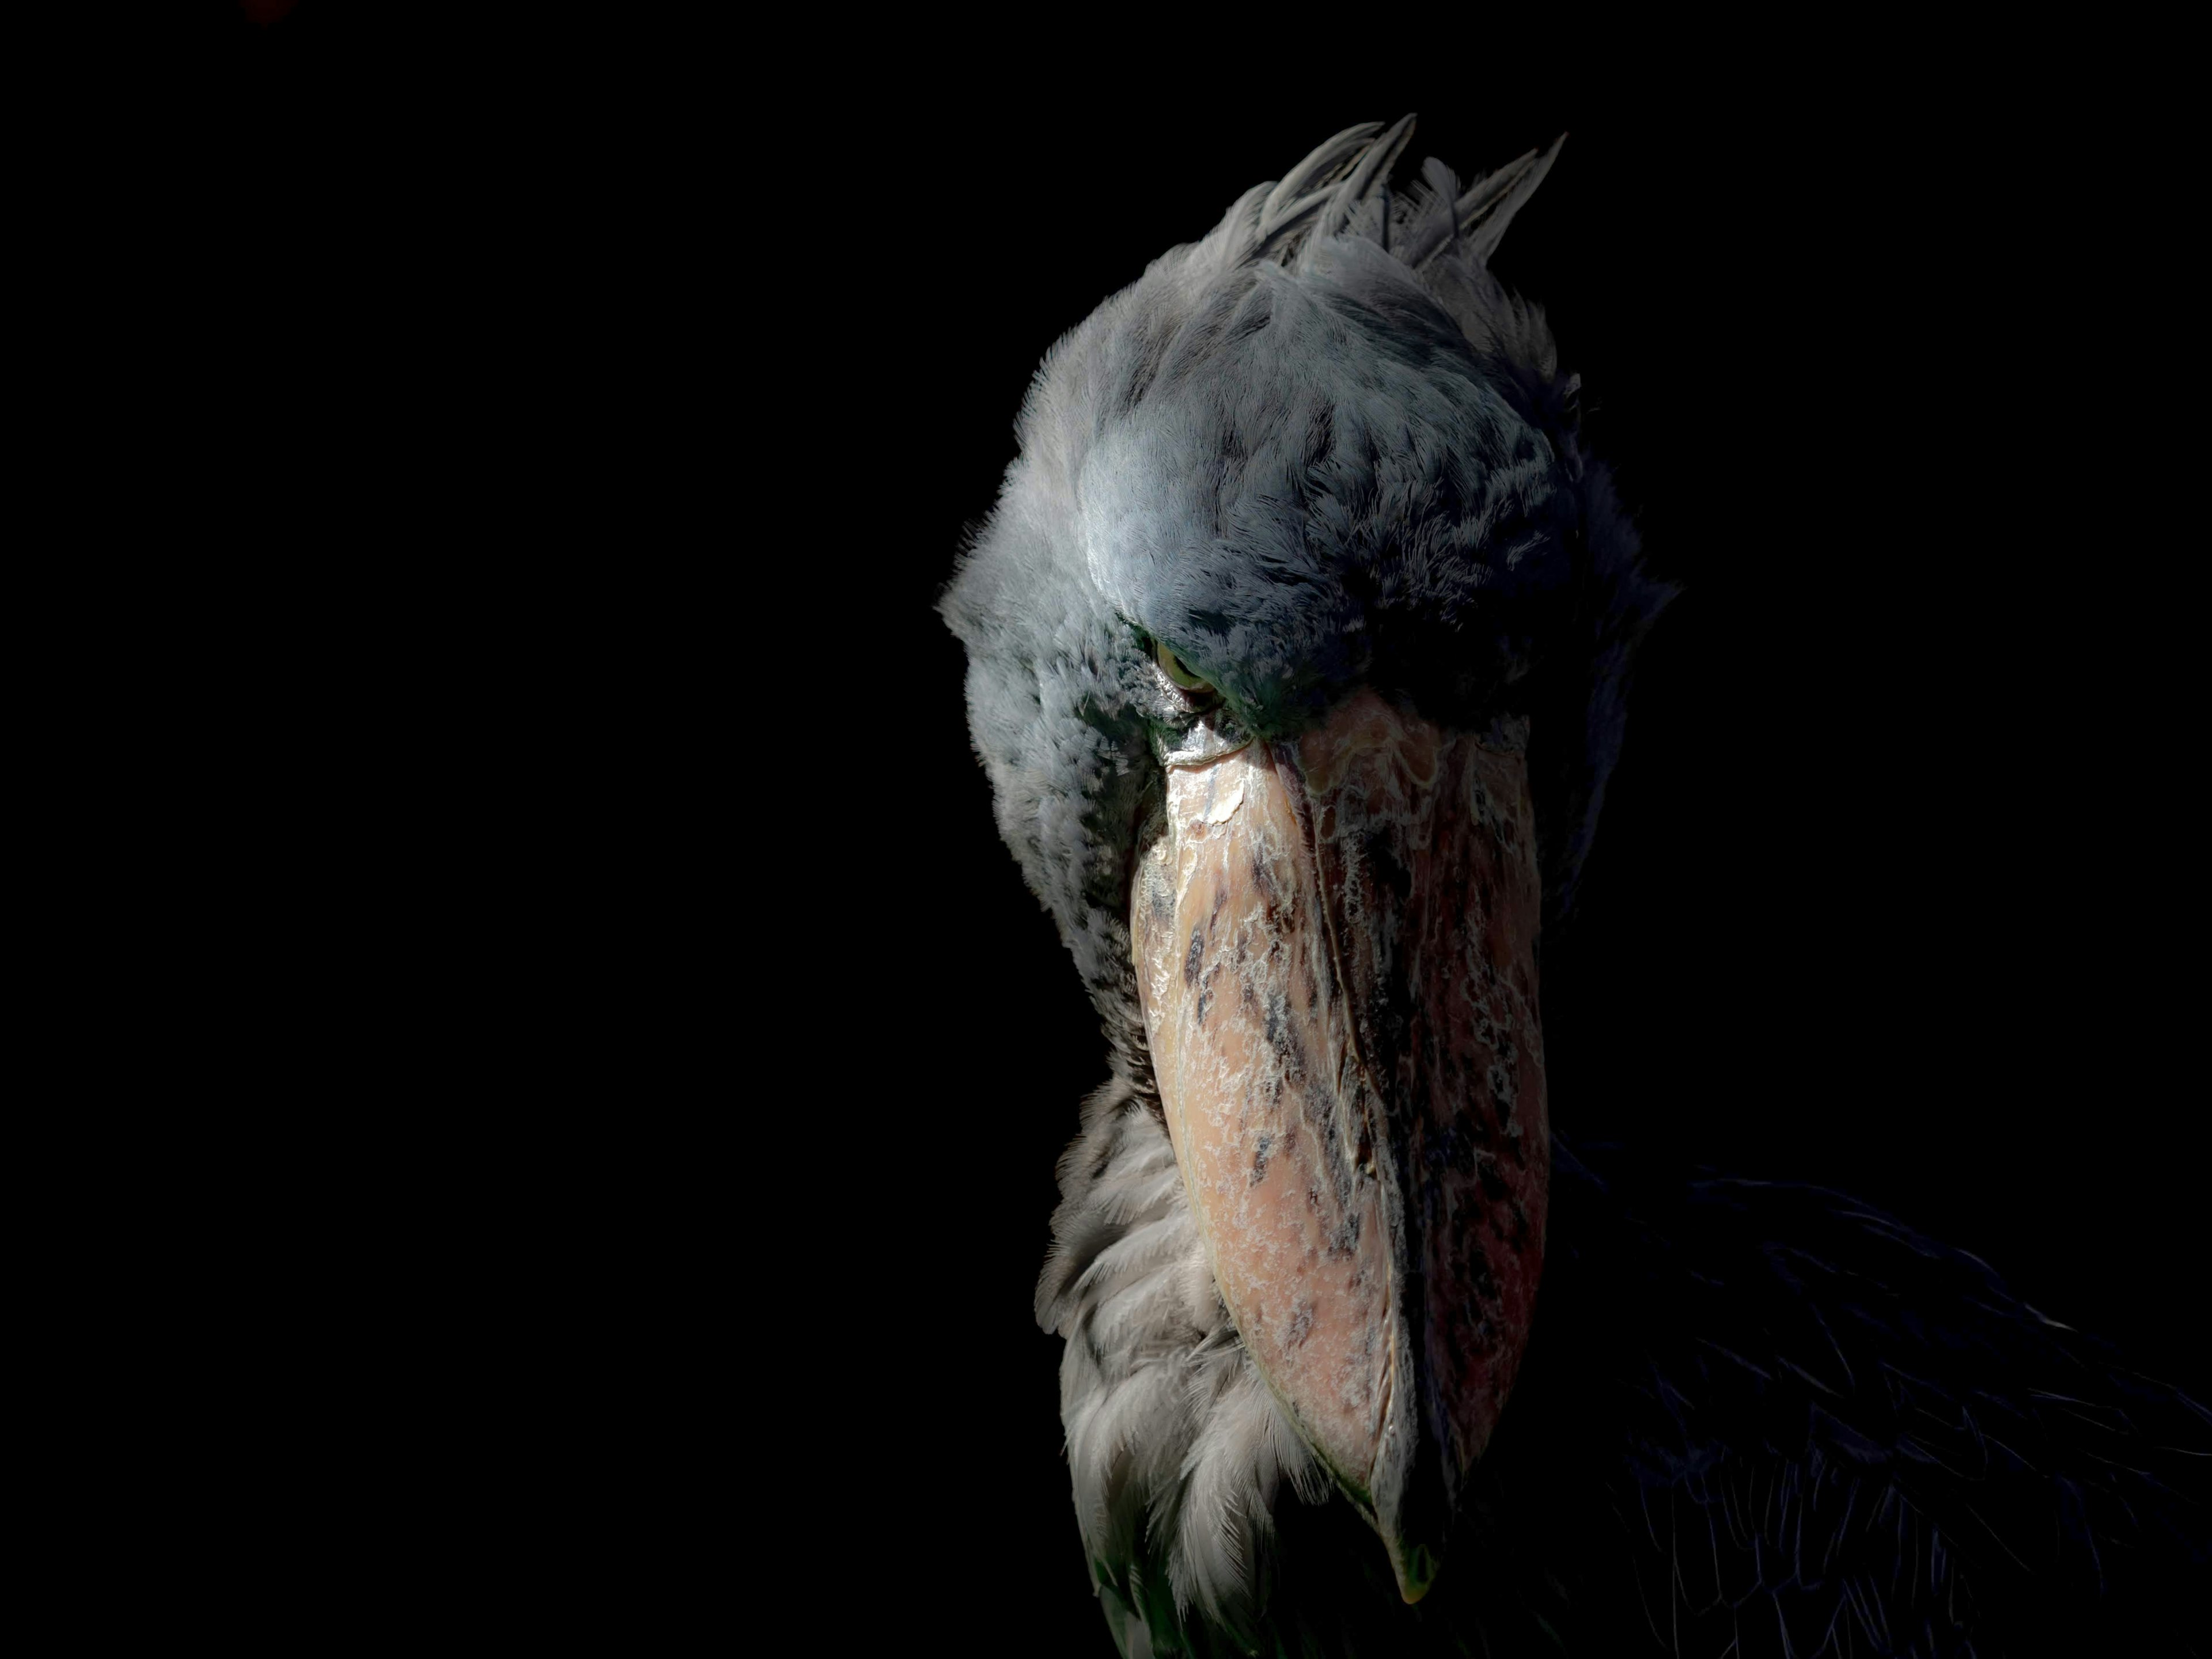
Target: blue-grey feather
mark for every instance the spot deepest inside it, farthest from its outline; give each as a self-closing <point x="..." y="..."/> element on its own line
<point x="1365" y="184"/>
<point x="1487" y="209"/>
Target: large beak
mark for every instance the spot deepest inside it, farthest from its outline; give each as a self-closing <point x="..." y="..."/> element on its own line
<point x="1336" y="952"/>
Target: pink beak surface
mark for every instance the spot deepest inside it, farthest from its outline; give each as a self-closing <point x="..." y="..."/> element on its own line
<point x="1336" y="942"/>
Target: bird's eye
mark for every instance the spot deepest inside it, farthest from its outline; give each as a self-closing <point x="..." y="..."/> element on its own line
<point x="1172" y="666"/>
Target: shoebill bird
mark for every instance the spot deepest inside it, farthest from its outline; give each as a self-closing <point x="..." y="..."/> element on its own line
<point x="1298" y="645"/>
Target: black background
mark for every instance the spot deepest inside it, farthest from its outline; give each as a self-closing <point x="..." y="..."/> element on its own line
<point x="765" y="1054"/>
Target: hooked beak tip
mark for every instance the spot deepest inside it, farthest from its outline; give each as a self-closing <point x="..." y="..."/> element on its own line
<point x="1415" y="1565"/>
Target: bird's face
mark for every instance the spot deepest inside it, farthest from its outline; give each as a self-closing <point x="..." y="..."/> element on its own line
<point x="1335" y="936"/>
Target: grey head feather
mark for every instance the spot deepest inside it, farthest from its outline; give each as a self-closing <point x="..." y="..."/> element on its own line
<point x="1360" y="204"/>
<point x="1270" y="221"/>
<point x="1487" y="209"/>
<point x="1430" y="216"/>
<point x="1329" y="160"/>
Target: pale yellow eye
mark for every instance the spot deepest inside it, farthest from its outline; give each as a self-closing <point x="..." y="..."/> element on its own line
<point x="1172" y="666"/>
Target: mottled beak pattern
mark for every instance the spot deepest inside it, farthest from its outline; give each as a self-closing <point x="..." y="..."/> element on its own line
<point x="1336" y="954"/>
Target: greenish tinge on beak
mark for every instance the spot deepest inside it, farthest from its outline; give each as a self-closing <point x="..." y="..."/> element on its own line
<point x="1416" y="1568"/>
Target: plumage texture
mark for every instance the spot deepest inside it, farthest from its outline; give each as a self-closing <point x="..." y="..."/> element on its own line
<point x="1307" y="465"/>
<point x="1176" y="1449"/>
<point x="1755" y="1418"/>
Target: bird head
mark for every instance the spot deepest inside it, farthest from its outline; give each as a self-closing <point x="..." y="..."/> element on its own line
<point x="1297" y="645"/>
